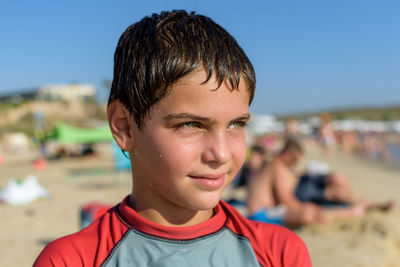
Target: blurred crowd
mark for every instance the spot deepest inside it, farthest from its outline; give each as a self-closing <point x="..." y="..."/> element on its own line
<point x="371" y="143"/>
<point x="277" y="191"/>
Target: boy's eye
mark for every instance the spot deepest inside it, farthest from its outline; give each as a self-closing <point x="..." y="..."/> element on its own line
<point x="238" y="125"/>
<point x="190" y="125"/>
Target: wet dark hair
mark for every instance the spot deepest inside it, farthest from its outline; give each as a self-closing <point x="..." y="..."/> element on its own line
<point x="292" y="145"/>
<point x="155" y="52"/>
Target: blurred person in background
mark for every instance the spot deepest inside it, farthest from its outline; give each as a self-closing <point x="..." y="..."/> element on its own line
<point x="291" y="129"/>
<point x="326" y="134"/>
<point x="255" y="161"/>
<point x="277" y="186"/>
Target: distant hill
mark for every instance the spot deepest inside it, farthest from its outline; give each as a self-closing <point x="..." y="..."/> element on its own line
<point x="21" y="117"/>
<point x="366" y="113"/>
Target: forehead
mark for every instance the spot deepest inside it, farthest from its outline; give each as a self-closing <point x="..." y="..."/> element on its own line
<point x="199" y="77"/>
<point x="190" y="94"/>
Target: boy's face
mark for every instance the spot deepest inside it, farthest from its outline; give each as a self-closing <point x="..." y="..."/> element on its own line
<point x="191" y="145"/>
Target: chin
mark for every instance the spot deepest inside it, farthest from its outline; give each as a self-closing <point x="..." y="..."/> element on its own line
<point x="206" y="202"/>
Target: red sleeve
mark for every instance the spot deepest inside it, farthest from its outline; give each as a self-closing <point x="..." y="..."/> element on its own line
<point x="279" y="246"/>
<point x="293" y="250"/>
<point x="61" y="253"/>
<point x="89" y="247"/>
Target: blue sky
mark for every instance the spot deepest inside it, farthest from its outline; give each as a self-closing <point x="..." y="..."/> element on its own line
<point x="308" y="55"/>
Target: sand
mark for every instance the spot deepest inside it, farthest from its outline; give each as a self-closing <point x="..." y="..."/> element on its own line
<point x="72" y="183"/>
<point x="373" y="240"/>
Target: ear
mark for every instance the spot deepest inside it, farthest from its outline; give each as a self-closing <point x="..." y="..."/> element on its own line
<point x="120" y="121"/>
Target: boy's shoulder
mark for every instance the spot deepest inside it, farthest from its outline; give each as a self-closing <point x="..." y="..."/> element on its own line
<point x="88" y="247"/>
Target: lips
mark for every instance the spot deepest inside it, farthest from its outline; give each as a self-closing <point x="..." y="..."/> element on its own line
<point x="208" y="176"/>
<point x="209" y="181"/>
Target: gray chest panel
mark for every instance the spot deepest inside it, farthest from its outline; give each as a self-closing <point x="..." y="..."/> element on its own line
<point x="223" y="248"/>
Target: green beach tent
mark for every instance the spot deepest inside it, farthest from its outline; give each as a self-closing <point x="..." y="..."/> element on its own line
<point x="66" y="134"/>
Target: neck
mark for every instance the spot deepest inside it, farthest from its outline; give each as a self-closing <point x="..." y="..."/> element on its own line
<point x="175" y="217"/>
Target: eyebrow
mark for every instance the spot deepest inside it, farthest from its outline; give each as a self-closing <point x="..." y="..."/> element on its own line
<point x="188" y="116"/>
<point x="243" y="117"/>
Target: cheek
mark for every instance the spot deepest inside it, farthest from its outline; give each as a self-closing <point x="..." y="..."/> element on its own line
<point x="239" y="150"/>
<point x="178" y="156"/>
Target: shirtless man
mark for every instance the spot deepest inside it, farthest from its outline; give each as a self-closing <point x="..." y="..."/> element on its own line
<point x="272" y="193"/>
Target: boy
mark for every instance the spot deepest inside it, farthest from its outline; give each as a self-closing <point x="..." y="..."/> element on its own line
<point x="178" y="104"/>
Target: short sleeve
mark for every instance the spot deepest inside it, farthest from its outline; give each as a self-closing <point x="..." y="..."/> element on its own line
<point x="295" y="252"/>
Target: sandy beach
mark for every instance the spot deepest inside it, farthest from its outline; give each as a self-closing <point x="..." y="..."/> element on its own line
<point x="373" y="240"/>
<point x="72" y="183"/>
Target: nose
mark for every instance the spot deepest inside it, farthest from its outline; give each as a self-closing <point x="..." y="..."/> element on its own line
<point x="217" y="149"/>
